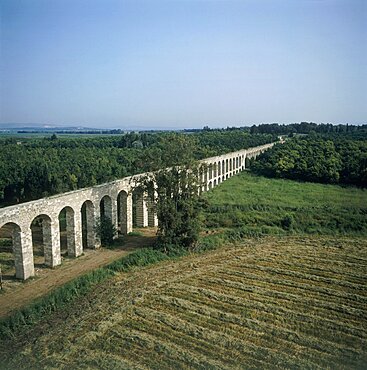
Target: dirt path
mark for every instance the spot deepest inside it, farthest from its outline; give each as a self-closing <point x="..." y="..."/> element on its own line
<point x="17" y="294"/>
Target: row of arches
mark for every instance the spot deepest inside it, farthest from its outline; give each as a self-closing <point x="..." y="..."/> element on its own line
<point x="49" y="236"/>
<point x="48" y="239"/>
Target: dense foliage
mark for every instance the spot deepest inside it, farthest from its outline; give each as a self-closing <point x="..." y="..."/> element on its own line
<point x="105" y="230"/>
<point x="35" y="168"/>
<point x="174" y="188"/>
<point x="308" y="128"/>
<point x="332" y="159"/>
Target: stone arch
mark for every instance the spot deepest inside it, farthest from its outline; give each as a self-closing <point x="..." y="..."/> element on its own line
<point x="46" y="240"/>
<point x="67" y="231"/>
<point x="87" y="211"/>
<point x="105" y="207"/>
<point x="11" y="247"/>
<point x="124" y="212"/>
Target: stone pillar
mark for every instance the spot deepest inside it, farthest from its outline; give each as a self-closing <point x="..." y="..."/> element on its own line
<point x="141" y="211"/>
<point x="70" y="232"/>
<point x="152" y="215"/>
<point x="96" y="239"/>
<point x="114" y="219"/>
<point x="23" y="253"/>
<point x="126" y="213"/>
<point x="78" y="242"/>
<point x="51" y="241"/>
<point x="92" y="241"/>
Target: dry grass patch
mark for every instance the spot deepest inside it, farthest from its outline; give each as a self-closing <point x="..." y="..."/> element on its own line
<point x="286" y="302"/>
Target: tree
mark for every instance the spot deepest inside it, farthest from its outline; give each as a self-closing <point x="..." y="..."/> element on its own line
<point x="174" y="184"/>
<point x="105" y="230"/>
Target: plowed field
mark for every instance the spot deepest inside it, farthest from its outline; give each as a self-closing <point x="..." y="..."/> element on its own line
<point x="271" y="303"/>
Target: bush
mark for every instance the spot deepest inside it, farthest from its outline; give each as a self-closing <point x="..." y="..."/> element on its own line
<point x="105" y="230"/>
<point x="287" y="222"/>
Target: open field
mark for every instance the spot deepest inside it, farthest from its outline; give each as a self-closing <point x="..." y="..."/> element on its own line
<point x="262" y="205"/>
<point x="294" y="298"/>
<point x="275" y="302"/>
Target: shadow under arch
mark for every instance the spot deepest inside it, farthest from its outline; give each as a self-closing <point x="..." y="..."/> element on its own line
<point x="42" y="241"/>
<point x="10" y="250"/>
<point x="88" y="224"/>
<point x="105" y="207"/>
<point x="67" y="231"/>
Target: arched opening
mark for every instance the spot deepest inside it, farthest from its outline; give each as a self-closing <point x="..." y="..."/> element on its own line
<point x="67" y="232"/>
<point x="140" y="209"/>
<point x="223" y="167"/>
<point x="16" y="257"/>
<point x="210" y="171"/>
<point x="210" y="185"/>
<point x="105" y="207"/>
<point x="219" y="168"/>
<point x="123" y="213"/>
<point x="215" y="183"/>
<point x="9" y="242"/>
<point x="88" y="223"/>
<point x="46" y="248"/>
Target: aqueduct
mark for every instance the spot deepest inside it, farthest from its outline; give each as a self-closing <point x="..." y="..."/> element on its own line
<point x="81" y="208"/>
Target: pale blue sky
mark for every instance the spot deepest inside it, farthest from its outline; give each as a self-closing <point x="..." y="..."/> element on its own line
<point x="109" y="63"/>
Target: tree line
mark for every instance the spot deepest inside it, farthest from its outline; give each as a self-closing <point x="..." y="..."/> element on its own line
<point x="318" y="158"/>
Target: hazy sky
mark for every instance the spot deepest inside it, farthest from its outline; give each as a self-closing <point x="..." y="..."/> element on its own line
<point x="106" y="63"/>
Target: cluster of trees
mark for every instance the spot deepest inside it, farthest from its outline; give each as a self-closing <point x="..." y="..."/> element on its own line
<point x="334" y="159"/>
<point x="31" y="172"/>
<point x="306" y="128"/>
<point x="35" y="168"/>
<point x="174" y="184"/>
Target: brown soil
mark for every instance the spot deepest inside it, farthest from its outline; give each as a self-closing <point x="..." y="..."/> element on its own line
<point x="17" y="294"/>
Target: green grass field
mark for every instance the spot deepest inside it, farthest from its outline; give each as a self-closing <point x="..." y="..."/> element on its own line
<point x="296" y="298"/>
<point x="262" y="204"/>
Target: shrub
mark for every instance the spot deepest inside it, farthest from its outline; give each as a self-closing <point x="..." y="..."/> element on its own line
<point x="105" y="230"/>
<point x="287" y="222"/>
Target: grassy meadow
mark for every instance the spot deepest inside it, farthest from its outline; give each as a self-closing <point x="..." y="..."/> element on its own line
<point x="286" y="289"/>
<point x="260" y="205"/>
